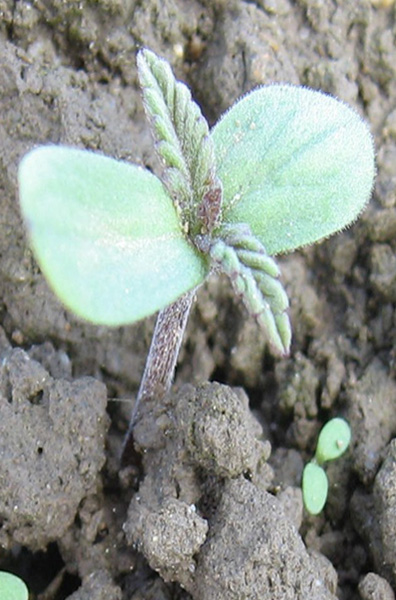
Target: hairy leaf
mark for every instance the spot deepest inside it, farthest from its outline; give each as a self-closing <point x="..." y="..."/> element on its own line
<point x="255" y="278"/>
<point x="105" y="234"/>
<point x="296" y="165"/>
<point x="183" y="143"/>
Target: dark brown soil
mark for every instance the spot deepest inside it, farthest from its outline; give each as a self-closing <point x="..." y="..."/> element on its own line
<point x="212" y="510"/>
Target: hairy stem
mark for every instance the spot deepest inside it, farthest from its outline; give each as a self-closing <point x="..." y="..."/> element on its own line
<point x="161" y="360"/>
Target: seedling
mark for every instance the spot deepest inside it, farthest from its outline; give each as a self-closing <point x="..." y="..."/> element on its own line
<point x="286" y="166"/>
<point x="333" y="441"/>
<point x="12" y="588"/>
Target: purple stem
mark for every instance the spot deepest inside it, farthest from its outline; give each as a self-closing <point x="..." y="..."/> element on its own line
<point x="161" y="360"/>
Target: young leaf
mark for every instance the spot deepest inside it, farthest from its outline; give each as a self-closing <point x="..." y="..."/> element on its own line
<point x="333" y="440"/>
<point x="12" y="587"/>
<point x="296" y="165"/>
<point x="315" y="486"/>
<point x="255" y="277"/>
<point x="183" y="143"/>
<point x="105" y="234"/>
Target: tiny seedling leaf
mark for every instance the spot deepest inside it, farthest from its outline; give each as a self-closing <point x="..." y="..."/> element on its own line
<point x="315" y="486"/>
<point x="296" y="165"/>
<point x="333" y="440"/>
<point x="105" y="234"/>
<point x="12" y="588"/>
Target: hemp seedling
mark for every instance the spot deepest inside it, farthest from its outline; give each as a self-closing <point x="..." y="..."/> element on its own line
<point x="333" y="441"/>
<point x="284" y="167"/>
<point x="12" y="588"/>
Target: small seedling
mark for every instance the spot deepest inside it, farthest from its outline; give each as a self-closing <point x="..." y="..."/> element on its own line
<point x="286" y="166"/>
<point x="12" y="588"/>
<point x="333" y="441"/>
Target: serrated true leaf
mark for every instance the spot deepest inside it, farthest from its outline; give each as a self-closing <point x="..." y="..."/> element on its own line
<point x="296" y="165"/>
<point x="315" y="487"/>
<point x="333" y="440"/>
<point x="105" y="234"/>
<point x="182" y="140"/>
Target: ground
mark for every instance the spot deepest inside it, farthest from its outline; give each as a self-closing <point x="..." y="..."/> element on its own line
<point x="211" y="509"/>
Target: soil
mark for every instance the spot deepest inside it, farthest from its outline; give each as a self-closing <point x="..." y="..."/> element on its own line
<point x="211" y="508"/>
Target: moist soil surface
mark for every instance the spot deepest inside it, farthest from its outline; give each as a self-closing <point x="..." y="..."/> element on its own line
<point x="210" y="507"/>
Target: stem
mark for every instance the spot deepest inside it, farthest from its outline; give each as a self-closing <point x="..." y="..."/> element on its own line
<point x="161" y="360"/>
